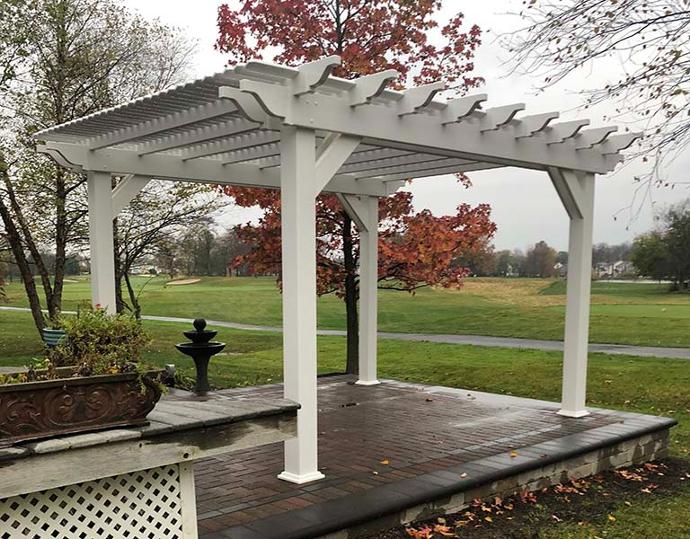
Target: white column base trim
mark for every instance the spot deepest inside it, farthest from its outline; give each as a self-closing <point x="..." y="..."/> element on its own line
<point x="367" y="382"/>
<point x="300" y="479"/>
<point x="568" y="413"/>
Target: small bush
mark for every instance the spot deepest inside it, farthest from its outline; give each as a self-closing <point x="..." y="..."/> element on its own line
<point x="100" y="343"/>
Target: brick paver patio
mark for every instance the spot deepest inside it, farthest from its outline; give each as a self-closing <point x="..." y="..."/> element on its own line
<point x="371" y="436"/>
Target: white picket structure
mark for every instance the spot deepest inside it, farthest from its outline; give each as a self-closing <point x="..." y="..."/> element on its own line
<point x="304" y="131"/>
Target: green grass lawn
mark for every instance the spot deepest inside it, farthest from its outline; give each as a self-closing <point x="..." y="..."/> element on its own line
<point x="622" y="313"/>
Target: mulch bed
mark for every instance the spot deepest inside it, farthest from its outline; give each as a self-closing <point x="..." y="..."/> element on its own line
<point x="592" y="499"/>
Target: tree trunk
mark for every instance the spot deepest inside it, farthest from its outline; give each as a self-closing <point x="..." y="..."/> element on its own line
<point x="55" y="301"/>
<point x="14" y="239"/>
<point x="134" y="300"/>
<point x="120" y="304"/>
<point x="18" y="217"/>
<point x="352" y="364"/>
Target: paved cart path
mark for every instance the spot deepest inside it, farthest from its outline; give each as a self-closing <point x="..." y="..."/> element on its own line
<point x="476" y="340"/>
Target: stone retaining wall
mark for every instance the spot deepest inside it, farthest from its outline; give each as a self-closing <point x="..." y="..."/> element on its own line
<point x="631" y="452"/>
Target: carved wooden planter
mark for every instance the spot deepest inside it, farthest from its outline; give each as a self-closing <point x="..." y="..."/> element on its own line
<point x="34" y="410"/>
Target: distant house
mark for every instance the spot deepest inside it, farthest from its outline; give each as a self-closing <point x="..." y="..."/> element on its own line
<point x="613" y="270"/>
<point x="561" y="269"/>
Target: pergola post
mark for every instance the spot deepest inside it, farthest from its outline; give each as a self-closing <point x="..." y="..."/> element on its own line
<point x="99" y="191"/>
<point x="576" y="190"/>
<point x="368" y="289"/>
<point x="364" y="211"/>
<point x="298" y="215"/>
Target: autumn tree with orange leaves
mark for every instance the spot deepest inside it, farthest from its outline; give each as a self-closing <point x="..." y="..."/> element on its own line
<point x="415" y="248"/>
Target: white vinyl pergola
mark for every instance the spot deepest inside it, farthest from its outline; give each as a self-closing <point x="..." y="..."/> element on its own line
<point x="304" y="132"/>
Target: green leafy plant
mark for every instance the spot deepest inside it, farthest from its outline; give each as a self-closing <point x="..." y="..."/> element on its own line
<point x="96" y="343"/>
<point x="100" y="343"/>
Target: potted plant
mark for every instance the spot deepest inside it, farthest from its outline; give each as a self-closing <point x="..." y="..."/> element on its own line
<point x="91" y="380"/>
<point x="53" y="336"/>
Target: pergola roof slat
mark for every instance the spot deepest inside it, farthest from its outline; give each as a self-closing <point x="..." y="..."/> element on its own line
<point x="409" y="170"/>
<point x="201" y="134"/>
<point x="384" y="163"/>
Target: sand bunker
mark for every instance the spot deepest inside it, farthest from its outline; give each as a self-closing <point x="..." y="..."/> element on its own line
<point x="183" y="281"/>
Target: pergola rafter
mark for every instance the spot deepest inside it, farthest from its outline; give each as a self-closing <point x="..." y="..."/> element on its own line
<point x="303" y="131"/>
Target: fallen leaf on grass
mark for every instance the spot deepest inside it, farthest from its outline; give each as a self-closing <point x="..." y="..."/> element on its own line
<point x="649" y="488"/>
<point x="385" y="462"/>
<point x="555" y="517"/>
<point x="422" y="533"/>
<point x="566" y="489"/>
<point x="612" y="518"/>
<point x="528" y="497"/>
<point x="443" y="530"/>
<point x="488" y="519"/>
<point x="628" y="475"/>
<point x="626" y="502"/>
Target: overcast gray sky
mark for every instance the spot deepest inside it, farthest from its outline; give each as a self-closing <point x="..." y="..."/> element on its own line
<point x="525" y="206"/>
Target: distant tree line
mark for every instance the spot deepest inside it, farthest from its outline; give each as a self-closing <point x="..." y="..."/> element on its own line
<point x="200" y="252"/>
<point x="9" y="272"/>
<point x="542" y="260"/>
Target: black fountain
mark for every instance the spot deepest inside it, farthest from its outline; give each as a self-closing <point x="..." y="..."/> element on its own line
<point x="200" y="350"/>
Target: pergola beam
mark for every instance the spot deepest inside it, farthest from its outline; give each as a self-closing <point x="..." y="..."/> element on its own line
<point x="166" y="167"/>
<point x="529" y="125"/>
<point x="461" y="108"/>
<point x="382" y="123"/>
<point x="591" y="137"/>
<point x="497" y="117"/>
<point x="313" y="74"/>
<point x="418" y="98"/>
<point x="371" y="86"/>
<point x="559" y="133"/>
<point x="613" y="145"/>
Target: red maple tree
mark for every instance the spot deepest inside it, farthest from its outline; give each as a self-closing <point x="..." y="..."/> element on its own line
<point x="415" y="248"/>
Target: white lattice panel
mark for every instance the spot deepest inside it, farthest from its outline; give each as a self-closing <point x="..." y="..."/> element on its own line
<point x="138" y="505"/>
